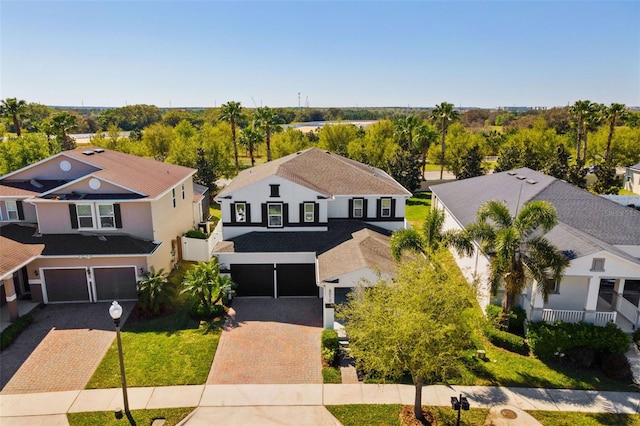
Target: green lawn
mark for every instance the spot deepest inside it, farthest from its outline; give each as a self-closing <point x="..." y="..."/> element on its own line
<point x="142" y="417"/>
<point x="170" y="350"/>
<point x="417" y="207"/>
<point x="331" y="375"/>
<point x="388" y="415"/>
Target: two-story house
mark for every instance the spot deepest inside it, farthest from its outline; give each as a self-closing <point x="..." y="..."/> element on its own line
<point x="85" y="225"/>
<point x="309" y="224"/>
<point x="600" y="238"/>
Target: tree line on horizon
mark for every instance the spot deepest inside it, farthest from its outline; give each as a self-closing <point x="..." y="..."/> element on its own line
<point x="558" y="141"/>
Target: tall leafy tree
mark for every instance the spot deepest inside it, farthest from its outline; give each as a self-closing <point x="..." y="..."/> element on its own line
<point x="268" y="120"/>
<point x="13" y="108"/>
<point x="509" y="158"/>
<point x="472" y="164"/>
<point x="404" y="168"/>
<point x="250" y="137"/>
<point x="612" y="114"/>
<point x="607" y="182"/>
<point x="232" y="112"/>
<point x="405" y="130"/>
<point x="580" y="110"/>
<point x="62" y="123"/>
<point x="442" y="115"/>
<point x="592" y="120"/>
<point x="425" y="136"/>
<point x="559" y="165"/>
<point x="206" y="174"/>
<point x="418" y="322"/>
<point x="514" y="245"/>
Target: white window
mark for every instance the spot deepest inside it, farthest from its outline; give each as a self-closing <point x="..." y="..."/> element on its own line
<point x="183" y="191"/>
<point x="309" y="212"/>
<point x="274" y="212"/>
<point x="385" y="207"/>
<point x="12" y="210"/>
<point x="106" y="216"/>
<point x="173" y="197"/>
<point x="241" y="212"/>
<point x="358" y="207"/>
<point x="85" y="215"/>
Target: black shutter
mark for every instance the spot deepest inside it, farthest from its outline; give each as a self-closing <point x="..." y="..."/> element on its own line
<point x="378" y="208"/>
<point x="285" y="214"/>
<point x="316" y="213"/>
<point x="20" y="210"/>
<point x="264" y="221"/>
<point x="233" y="212"/>
<point x="247" y="213"/>
<point x="393" y="207"/>
<point x="302" y="221"/>
<point x="118" y="215"/>
<point x="350" y="209"/>
<point x="74" y="216"/>
<point x="364" y="208"/>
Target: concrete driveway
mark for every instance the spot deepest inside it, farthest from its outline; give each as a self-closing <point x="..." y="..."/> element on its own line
<point x="270" y="341"/>
<point x="61" y="348"/>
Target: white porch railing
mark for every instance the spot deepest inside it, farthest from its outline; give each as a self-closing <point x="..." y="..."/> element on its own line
<point x="553" y="315"/>
<point x="604" y="318"/>
<point x="627" y="310"/>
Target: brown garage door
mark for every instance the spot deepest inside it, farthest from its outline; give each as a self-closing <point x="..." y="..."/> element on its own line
<point x="115" y="283"/>
<point x="66" y="285"/>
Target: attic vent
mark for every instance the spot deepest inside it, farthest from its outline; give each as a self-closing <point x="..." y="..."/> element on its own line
<point x="521" y="177"/>
<point x="531" y="181"/>
<point x="88" y="152"/>
<point x="511" y="173"/>
<point x="98" y="150"/>
<point x="35" y="183"/>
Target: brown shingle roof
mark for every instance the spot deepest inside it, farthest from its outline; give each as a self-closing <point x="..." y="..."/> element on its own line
<point x="143" y="175"/>
<point x="327" y="173"/>
<point x="15" y="254"/>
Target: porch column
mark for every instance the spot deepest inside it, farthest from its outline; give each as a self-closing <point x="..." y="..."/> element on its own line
<point x="537" y="303"/>
<point x="618" y="291"/>
<point x="12" y="298"/>
<point x="592" y="299"/>
<point x="328" y="307"/>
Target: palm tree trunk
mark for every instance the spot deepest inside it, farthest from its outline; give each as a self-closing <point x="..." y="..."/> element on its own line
<point x="16" y="124"/>
<point x="268" y="139"/>
<point x="579" y="143"/>
<point x="584" y="152"/>
<point x="235" y="145"/>
<point x="610" y="138"/>
<point x="253" y="161"/>
<point x="442" y="149"/>
<point x="424" y="160"/>
<point x="417" y="404"/>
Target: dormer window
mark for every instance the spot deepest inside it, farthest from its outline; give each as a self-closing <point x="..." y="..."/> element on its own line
<point x="12" y="210"/>
<point x="85" y="216"/>
<point x="385" y="207"/>
<point x="275" y="190"/>
<point x="274" y="219"/>
<point x="358" y="207"/>
<point x="241" y="212"/>
<point x="107" y="216"/>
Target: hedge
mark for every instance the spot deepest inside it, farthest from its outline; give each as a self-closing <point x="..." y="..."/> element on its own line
<point x="505" y="340"/>
<point x="329" y="339"/>
<point x="556" y="340"/>
<point x="12" y="332"/>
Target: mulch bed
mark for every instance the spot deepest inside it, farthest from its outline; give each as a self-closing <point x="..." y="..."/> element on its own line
<point x="407" y="417"/>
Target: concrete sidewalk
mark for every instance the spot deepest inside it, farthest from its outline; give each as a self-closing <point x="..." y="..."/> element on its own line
<point x="16" y="408"/>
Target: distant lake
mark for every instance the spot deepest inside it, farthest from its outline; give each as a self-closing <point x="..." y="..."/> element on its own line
<point x="322" y="123"/>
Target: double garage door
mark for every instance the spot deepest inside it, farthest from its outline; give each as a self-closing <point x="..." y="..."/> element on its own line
<point x="73" y="285"/>
<point x="280" y="280"/>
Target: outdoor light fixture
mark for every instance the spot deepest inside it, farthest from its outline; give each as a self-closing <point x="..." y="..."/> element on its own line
<point x="458" y="405"/>
<point x="115" y="311"/>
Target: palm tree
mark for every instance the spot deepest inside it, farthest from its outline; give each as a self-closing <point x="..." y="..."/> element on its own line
<point x="155" y="291"/>
<point x="204" y="282"/>
<point x="405" y="128"/>
<point x="14" y="109"/>
<point x="62" y="123"/>
<point x="613" y="113"/>
<point x="514" y="246"/>
<point x="592" y="120"/>
<point x="250" y="137"/>
<point x="268" y="121"/>
<point x="232" y="112"/>
<point x="443" y="114"/>
<point x="579" y="110"/>
<point x="425" y="136"/>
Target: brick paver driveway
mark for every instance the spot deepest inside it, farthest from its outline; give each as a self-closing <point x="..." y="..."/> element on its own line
<point x="270" y="341"/>
<point x="60" y="350"/>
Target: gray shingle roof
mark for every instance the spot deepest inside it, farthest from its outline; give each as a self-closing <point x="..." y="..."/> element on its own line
<point x="324" y="172"/>
<point x="605" y="222"/>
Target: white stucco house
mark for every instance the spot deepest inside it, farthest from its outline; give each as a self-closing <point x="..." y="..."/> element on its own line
<point x="600" y="237"/>
<point x="311" y="224"/>
<point x="632" y="178"/>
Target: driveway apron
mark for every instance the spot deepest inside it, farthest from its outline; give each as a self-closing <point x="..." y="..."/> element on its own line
<point x="60" y="350"/>
<point x="270" y="341"/>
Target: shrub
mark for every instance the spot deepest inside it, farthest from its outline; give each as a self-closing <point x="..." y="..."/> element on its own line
<point x="581" y="356"/>
<point x="493" y="314"/>
<point x="11" y="333"/>
<point x="329" y="340"/>
<point x="331" y="375"/>
<point x="556" y="340"/>
<point x="616" y="367"/>
<point x="517" y="318"/>
<point x="194" y="233"/>
<point x="636" y="337"/>
<point x="202" y="311"/>
<point x="506" y="340"/>
<point x="155" y="292"/>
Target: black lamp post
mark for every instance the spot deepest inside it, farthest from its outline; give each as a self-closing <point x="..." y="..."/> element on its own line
<point x="462" y="404"/>
<point x="115" y="310"/>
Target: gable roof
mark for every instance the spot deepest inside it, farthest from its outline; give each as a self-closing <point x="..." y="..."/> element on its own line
<point x="586" y="221"/>
<point x="322" y="171"/>
<point x="635" y="167"/>
<point x="138" y="174"/>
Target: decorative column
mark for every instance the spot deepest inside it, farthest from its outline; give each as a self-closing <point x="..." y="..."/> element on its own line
<point x="590" y="305"/>
<point x="12" y="298"/>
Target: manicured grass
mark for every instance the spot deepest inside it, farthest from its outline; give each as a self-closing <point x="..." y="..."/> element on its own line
<point x="331" y="375"/>
<point x="625" y="192"/>
<point x="417" y="207"/>
<point x="170" y="350"/>
<point x="556" y="418"/>
<point x="142" y="417"/>
<point x="215" y="212"/>
<point x="430" y="167"/>
<point x="370" y="414"/>
<point x="387" y="415"/>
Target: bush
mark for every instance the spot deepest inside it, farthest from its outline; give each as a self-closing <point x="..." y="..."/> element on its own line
<point x="11" y="333"/>
<point x="636" y="337"/>
<point x="202" y="311"/>
<point x="556" y="340"/>
<point x="493" y="315"/>
<point x="329" y="340"/>
<point x="517" y="318"/>
<point x="616" y="367"/>
<point x="331" y="375"/>
<point x="505" y="340"/>
<point x="194" y="233"/>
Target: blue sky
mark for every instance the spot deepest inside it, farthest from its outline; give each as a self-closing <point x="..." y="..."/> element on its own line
<point x="348" y="53"/>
